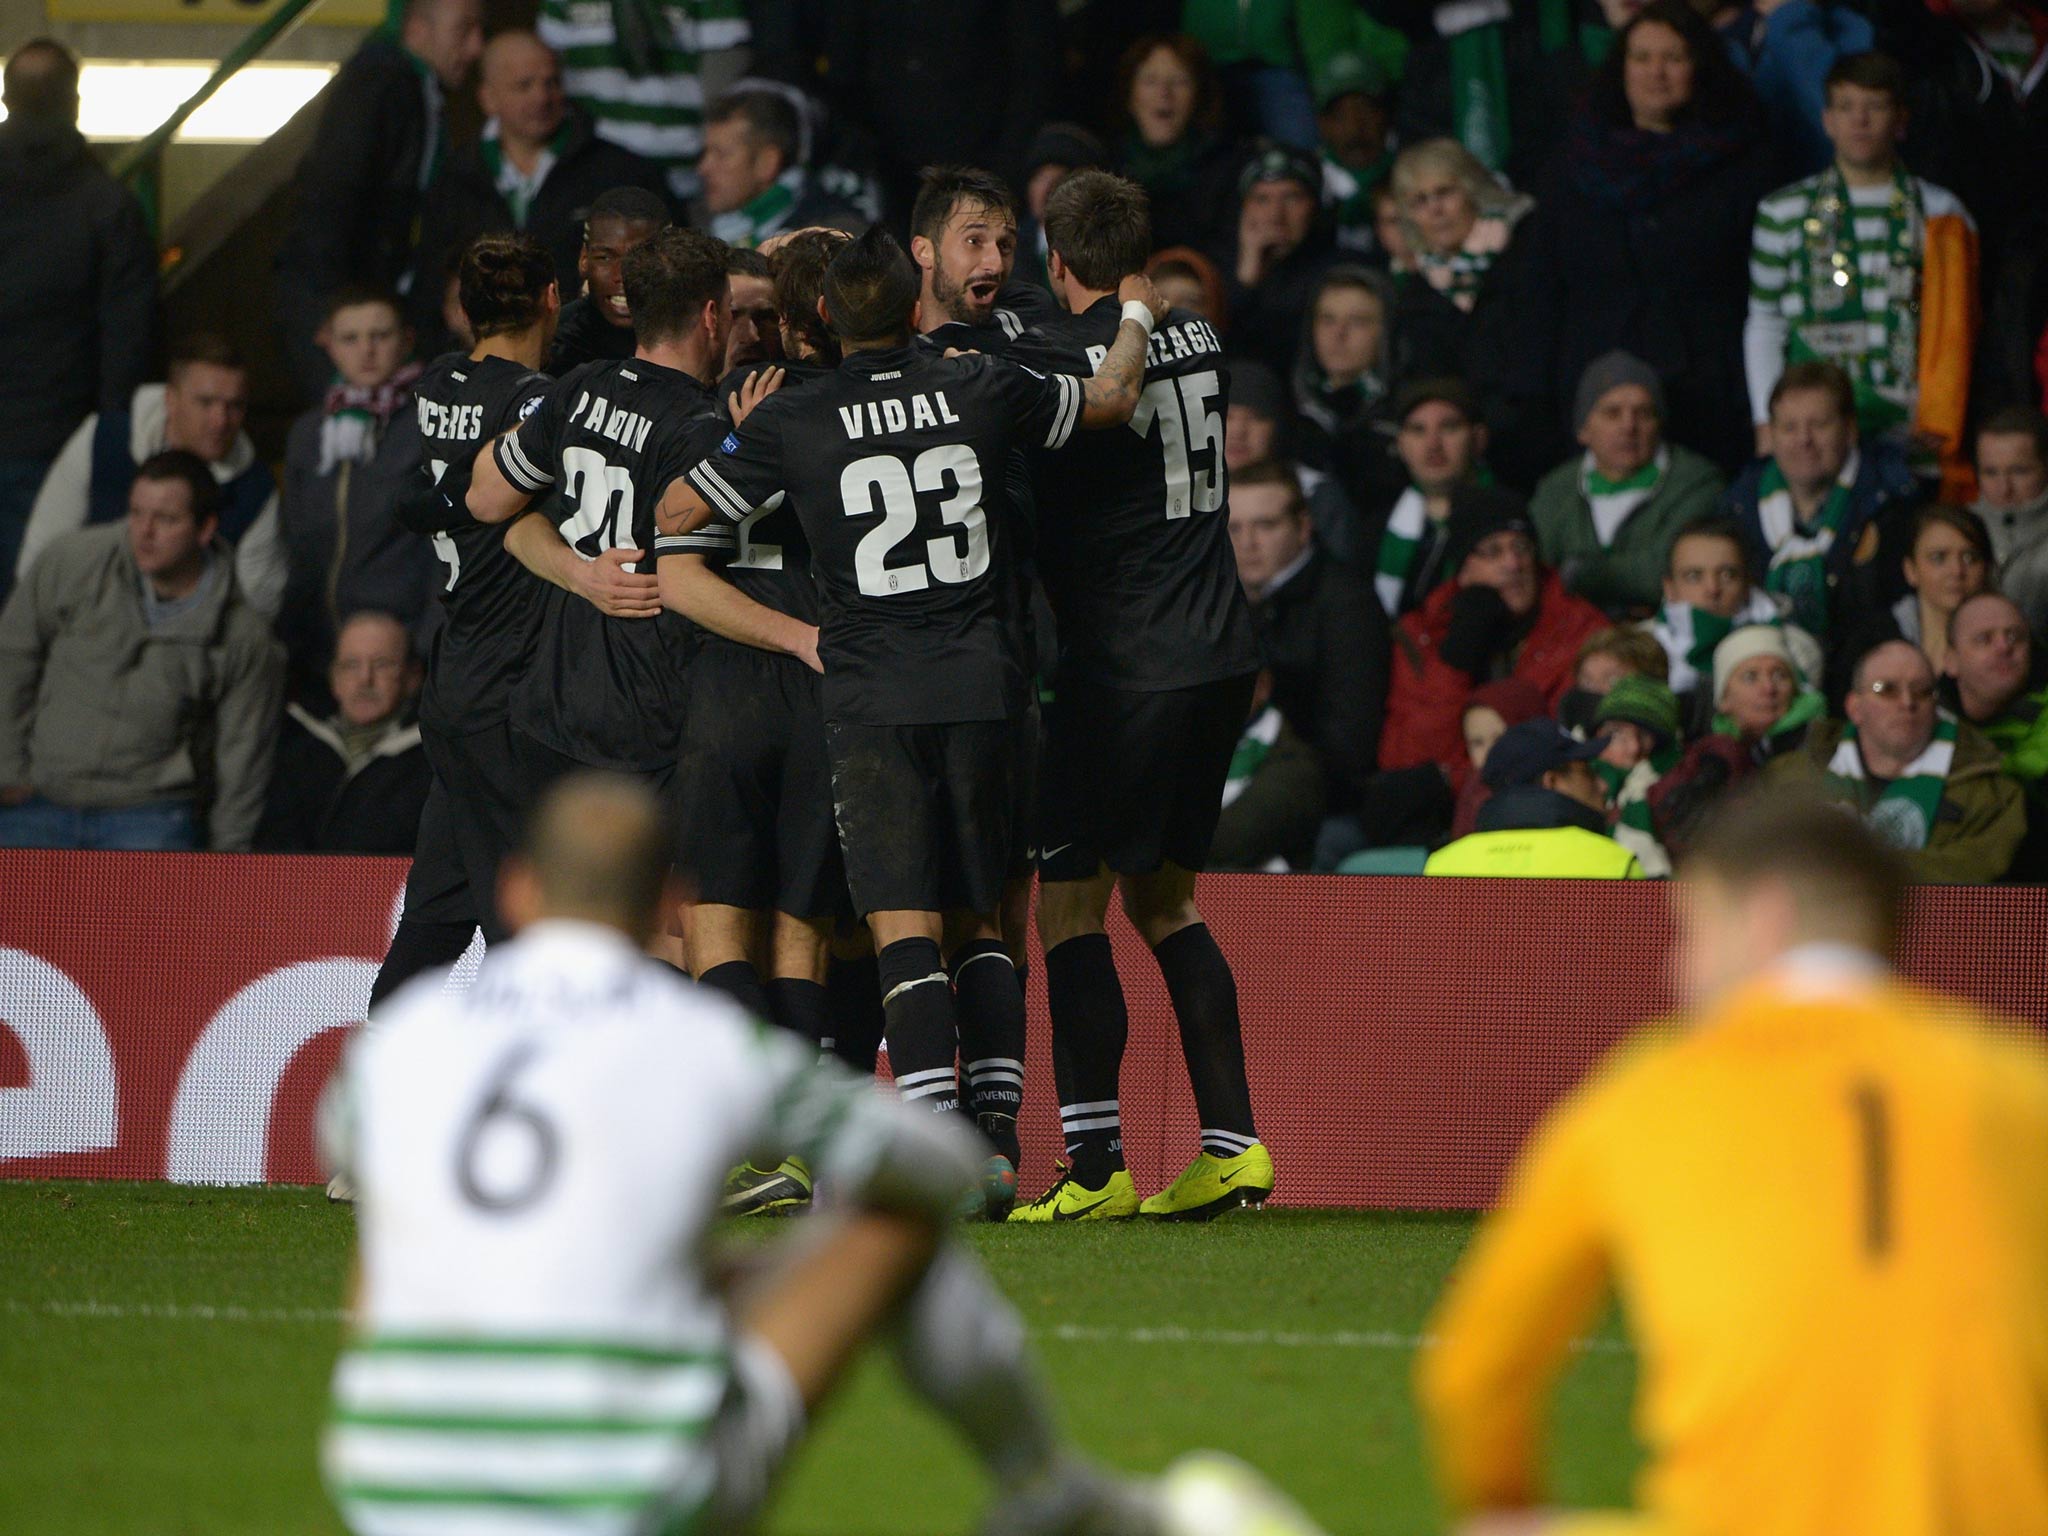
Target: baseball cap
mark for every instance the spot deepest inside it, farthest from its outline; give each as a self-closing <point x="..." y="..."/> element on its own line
<point x="1453" y="392"/>
<point x="1280" y="162"/>
<point x="1348" y="72"/>
<point x="1527" y="751"/>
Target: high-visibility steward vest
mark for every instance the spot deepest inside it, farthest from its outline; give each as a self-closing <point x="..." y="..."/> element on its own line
<point x="1563" y="853"/>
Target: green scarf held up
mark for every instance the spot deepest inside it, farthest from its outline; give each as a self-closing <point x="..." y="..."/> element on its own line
<point x="1904" y="813"/>
<point x="1479" y="93"/>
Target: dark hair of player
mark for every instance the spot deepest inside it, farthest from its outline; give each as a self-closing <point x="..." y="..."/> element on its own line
<point x="1101" y="225"/>
<point x="598" y="845"/>
<point x="2017" y="421"/>
<point x="1848" y="883"/>
<point x="1273" y="472"/>
<point x="742" y="262"/>
<point x="770" y="118"/>
<point x="1710" y="525"/>
<point x="800" y="282"/>
<point x="943" y="189"/>
<point x="669" y="279"/>
<point x="504" y="281"/>
<point x="41" y="80"/>
<point x="1871" y="70"/>
<point x="209" y="347"/>
<point x="188" y="468"/>
<point x="870" y="289"/>
<point x="1820" y="375"/>
<point x="627" y="205"/>
<point x="349" y="295"/>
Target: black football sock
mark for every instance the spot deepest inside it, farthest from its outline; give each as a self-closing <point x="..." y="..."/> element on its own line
<point x="1089" y="1029"/>
<point x="1204" y="997"/>
<point x="854" y="988"/>
<point x="801" y="1007"/>
<point x="924" y="1041"/>
<point x="417" y="948"/>
<point x="738" y="980"/>
<point x="991" y="1006"/>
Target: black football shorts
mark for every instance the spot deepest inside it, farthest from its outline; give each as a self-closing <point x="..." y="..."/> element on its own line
<point x="753" y="790"/>
<point x="1134" y="780"/>
<point x="927" y="814"/>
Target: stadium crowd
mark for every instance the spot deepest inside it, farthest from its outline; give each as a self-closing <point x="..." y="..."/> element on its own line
<point x="1624" y="400"/>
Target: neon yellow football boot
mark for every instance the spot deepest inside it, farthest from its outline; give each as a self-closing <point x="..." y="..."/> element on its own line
<point x="780" y="1191"/>
<point x="1069" y="1200"/>
<point x="1210" y="1185"/>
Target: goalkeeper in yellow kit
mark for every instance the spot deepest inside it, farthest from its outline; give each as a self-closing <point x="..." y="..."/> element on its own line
<point x="1823" y="1202"/>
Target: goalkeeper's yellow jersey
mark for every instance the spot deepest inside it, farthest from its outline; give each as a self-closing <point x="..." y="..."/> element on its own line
<point x="1824" y="1209"/>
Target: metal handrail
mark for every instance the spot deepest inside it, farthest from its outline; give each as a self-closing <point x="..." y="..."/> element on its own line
<point x="142" y="165"/>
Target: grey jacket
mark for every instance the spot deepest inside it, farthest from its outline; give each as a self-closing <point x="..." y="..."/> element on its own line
<point x="98" y="710"/>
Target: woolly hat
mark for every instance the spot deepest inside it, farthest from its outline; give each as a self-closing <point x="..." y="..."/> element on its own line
<point x="1746" y="644"/>
<point x="1478" y="512"/>
<point x="1273" y="161"/>
<point x="1611" y="370"/>
<point x="1641" y="701"/>
<point x="1067" y="144"/>
<point x="1514" y="699"/>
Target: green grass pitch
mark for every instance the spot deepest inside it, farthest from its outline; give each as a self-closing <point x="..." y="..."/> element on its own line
<point x="164" y="1355"/>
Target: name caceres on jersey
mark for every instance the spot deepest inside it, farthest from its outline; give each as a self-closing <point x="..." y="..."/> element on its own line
<point x="1133" y="533"/>
<point x="608" y="438"/>
<point x="894" y="464"/>
<point x="488" y="597"/>
<point x="766" y="554"/>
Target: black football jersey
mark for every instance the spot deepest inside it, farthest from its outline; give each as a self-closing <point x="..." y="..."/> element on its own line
<point x="1133" y="532"/>
<point x="609" y="438"/>
<point x="766" y="554"/>
<point x="489" y="599"/>
<point x="894" y="464"/>
<point x="583" y="335"/>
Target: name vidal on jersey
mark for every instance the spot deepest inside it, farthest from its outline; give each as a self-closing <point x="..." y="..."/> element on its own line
<point x="892" y="416"/>
<point x="1187" y="339"/>
<point x="627" y="428"/>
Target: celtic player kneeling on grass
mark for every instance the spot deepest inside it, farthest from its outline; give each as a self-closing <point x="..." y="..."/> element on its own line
<point x="539" y="1348"/>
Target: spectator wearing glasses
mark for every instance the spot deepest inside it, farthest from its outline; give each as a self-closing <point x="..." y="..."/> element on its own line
<point x="1931" y="785"/>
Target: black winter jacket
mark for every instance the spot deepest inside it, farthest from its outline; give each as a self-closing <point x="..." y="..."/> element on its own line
<point x="1325" y="639"/>
<point x="77" y="288"/>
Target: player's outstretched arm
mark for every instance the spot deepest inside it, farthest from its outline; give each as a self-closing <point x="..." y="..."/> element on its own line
<point x="604" y="583"/>
<point x="1109" y="398"/>
<point x="493" y="498"/>
<point x="690" y="586"/>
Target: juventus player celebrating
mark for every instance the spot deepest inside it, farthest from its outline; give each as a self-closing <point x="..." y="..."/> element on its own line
<point x="893" y="466"/>
<point x="539" y="1347"/>
<point x="963" y="236"/>
<point x="472" y="813"/>
<point x="1157" y="659"/>
<point x="607" y="692"/>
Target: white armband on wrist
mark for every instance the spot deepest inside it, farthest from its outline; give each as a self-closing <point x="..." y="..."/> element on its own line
<point x="1139" y="315"/>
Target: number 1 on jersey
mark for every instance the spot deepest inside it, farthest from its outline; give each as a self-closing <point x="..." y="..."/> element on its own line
<point x="1183" y="409"/>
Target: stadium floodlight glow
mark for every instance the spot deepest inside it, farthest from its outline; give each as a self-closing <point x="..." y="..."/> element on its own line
<point x="122" y="99"/>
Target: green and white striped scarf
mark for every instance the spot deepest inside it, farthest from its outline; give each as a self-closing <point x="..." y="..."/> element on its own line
<point x="763" y="215"/>
<point x="1250" y="753"/>
<point x="1904" y="814"/>
<point x="1689" y="635"/>
<point x="1611" y="501"/>
<point x="1408" y="529"/>
<point x="1799" y="551"/>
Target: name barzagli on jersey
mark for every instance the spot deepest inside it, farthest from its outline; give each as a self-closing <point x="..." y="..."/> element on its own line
<point x="1187" y="338"/>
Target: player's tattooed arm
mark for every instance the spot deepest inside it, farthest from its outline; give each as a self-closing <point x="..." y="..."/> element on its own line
<point x="681" y="510"/>
<point x="1109" y="398"/>
<point x="493" y="498"/>
<point x="690" y="586"/>
<point x="604" y="583"/>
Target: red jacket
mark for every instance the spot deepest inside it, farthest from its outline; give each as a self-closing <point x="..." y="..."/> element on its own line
<point x="1426" y="694"/>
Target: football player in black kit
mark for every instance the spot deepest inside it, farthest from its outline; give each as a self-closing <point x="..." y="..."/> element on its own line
<point x="1156" y="666"/>
<point x="894" y="467"/>
<point x="963" y="236"/>
<point x="757" y="841"/>
<point x="472" y="814"/>
<point x="606" y="692"/>
<point x="599" y="324"/>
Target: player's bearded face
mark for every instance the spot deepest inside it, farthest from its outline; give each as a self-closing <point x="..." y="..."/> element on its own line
<point x="971" y="263"/>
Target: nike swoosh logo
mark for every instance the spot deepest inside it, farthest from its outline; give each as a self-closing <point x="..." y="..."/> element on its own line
<point x="1231" y="1177"/>
<point x="1076" y="1215"/>
<point x="1046" y="853"/>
